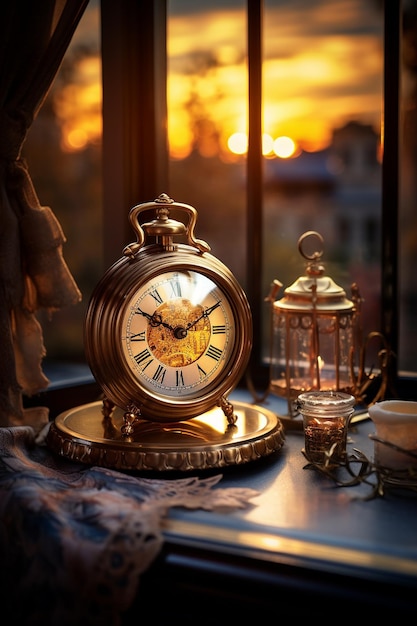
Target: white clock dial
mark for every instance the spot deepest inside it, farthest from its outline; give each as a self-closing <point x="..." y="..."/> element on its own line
<point x="178" y="333"/>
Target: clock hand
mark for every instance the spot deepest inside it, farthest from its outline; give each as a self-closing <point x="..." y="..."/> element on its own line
<point x="179" y="332"/>
<point x="154" y="319"/>
<point x="147" y="315"/>
<point x="206" y="313"/>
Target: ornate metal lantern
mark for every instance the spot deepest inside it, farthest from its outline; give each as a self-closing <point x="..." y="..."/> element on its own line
<point x="316" y="335"/>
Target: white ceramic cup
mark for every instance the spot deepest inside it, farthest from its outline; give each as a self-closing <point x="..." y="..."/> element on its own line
<point x="396" y="423"/>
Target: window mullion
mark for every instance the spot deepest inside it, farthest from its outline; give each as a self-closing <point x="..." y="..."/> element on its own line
<point x="254" y="184"/>
<point x="135" y="154"/>
<point x="390" y="180"/>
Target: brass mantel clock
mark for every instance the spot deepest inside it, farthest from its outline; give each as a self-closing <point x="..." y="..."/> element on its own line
<point x="168" y="335"/>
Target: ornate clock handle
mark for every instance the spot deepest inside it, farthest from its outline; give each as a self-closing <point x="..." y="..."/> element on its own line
<point x="163" y="227"/>
<point x="201" y="245"/>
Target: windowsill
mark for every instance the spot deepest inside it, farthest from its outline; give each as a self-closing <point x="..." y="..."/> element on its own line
<point x="65" y="374"/>
<point x="303" y="535"/>
<point x="71" y="384"/>
<point x="305" y="542"/>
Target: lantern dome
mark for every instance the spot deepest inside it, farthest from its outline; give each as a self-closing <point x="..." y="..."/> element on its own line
<point x="315" y="292"/>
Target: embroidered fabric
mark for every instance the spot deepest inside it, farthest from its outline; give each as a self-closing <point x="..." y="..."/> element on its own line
<point x="76" y="539"/>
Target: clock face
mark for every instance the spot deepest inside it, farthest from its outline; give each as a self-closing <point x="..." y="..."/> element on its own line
<point x="178" y="333"/>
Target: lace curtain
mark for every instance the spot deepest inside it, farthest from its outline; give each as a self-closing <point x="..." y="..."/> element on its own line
<point x="34" y="37"/>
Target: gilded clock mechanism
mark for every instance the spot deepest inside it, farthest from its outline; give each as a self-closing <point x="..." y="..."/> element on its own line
<point x="168" y="336"/>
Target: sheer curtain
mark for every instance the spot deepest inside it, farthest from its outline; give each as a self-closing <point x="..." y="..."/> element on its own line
<point x="33" y="274"/>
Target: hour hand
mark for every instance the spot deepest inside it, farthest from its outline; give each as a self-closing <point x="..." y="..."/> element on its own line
<point x="154" y="320"/>
<point x="144" y="313"/>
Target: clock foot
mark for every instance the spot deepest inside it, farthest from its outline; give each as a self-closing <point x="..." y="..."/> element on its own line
<point x="228" y="410"/>
<point x="130" y="417"/>
<point x="107" y="408"/>
<point x="109" y="429"/>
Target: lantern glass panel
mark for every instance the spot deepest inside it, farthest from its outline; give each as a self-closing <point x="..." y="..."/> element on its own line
<point x="310" y="351"/>
<point x="335" y="340"/>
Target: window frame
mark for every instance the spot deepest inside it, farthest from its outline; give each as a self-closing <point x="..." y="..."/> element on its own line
<point x="135" y="147"/>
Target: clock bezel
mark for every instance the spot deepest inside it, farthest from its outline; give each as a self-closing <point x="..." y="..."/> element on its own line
<point x="103" y="330"/>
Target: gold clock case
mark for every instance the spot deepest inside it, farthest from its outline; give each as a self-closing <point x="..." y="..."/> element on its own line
<point x="103" y="332"/>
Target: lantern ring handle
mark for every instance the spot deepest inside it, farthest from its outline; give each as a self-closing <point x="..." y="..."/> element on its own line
<point x="315" y="255"/>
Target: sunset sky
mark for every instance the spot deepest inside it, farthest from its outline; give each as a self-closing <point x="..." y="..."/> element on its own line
<point x="322" y="67"/>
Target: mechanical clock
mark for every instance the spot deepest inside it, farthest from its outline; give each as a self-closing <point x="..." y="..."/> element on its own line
<point x="168" y="336"/>
<point x="168" y="330"/>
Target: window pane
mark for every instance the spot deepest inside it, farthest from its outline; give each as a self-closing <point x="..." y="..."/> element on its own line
<point x="207" y="105"/>
<point x="323" y="76"/>
<point x="322" y="107"/>
<point x="63" y="150"/>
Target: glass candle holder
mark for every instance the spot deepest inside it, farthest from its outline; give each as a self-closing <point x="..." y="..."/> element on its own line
<point x="326" y="416"/>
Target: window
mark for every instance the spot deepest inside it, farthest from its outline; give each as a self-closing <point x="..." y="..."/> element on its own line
<point x="324" y="86"/>
<point x="64" y="151"/>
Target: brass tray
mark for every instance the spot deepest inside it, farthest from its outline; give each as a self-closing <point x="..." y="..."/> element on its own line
<point x="85" y="435"/>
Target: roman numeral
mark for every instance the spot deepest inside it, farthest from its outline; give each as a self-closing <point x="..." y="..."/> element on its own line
<point x="155" y="295"/>
<point x="143" y="356"/>
<point x="159" y="374"/>
<point x="219" y="329"/>
<point x="201" y="372"/>
<point x="138" y="336"/>
<point x="176" y="288"/>
<point x="179" y="378"/>
<point x="214" y="353"/>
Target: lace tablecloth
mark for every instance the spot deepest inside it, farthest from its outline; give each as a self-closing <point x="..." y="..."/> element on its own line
<point x="75" y="539"/>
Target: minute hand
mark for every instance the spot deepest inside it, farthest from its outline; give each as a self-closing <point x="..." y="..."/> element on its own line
<point x="206" y="313"/>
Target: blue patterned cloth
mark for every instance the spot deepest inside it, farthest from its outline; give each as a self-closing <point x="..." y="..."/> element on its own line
<point x="75" y="539"/>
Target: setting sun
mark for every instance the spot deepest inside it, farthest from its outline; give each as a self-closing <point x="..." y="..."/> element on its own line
<point x="284" y="147"/>
<point x="238" y="143"/>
